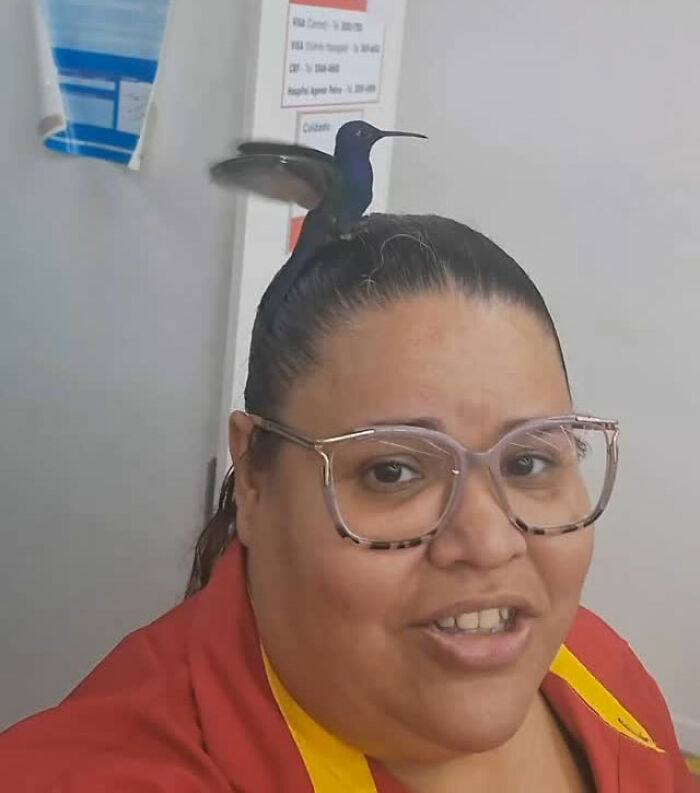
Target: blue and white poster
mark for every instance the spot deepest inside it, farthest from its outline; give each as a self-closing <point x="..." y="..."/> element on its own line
<point x="99" y="62"/>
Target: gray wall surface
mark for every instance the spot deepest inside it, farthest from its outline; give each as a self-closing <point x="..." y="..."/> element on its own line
<point x="570" y="133"/>
<point x="113" y="304"/>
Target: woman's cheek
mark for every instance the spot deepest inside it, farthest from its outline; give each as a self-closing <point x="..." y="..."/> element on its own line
<point x="359" y="586"/>
<point x="562" y="563"/>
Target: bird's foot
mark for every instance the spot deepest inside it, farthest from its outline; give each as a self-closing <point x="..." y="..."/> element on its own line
<point x="348" y="232"/>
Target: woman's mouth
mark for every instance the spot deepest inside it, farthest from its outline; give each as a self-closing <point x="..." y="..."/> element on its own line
<point x="478" y="640"/>
<point x="486" y="621"/>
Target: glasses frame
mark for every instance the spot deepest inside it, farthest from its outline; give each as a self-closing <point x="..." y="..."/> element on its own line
<point x="465" y="458"/>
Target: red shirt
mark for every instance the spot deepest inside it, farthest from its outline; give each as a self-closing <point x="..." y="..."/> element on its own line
<point x="185" y="705"/>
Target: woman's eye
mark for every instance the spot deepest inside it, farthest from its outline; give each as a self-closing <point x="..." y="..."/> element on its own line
<point x="526" y="465"/>
<point x="390" y="473"/>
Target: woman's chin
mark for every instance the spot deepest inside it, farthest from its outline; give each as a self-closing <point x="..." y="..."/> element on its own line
<point x="445" y="739"/>
<point x="485" y="737"/>
<point x="482" y="715"/>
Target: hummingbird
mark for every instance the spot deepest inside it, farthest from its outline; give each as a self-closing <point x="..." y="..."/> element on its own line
<point x="336" y="189"/>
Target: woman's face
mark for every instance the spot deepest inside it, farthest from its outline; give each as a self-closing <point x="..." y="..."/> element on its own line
<point x="345" y="627"/>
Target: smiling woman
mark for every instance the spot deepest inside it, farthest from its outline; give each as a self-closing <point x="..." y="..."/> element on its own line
<point x="388" y="597"/>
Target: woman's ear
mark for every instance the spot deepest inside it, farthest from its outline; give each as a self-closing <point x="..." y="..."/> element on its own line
<point x="246" y="484"/>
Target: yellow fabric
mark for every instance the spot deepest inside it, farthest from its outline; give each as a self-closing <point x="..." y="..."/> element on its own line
<point x="567" y="666"/>
<point x="333" y="766"/>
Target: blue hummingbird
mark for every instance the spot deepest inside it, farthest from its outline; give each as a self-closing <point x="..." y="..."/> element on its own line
<point x="335" y="189"/>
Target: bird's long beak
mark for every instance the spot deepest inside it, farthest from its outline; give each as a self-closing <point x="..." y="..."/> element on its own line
<point x="383" y="133"/>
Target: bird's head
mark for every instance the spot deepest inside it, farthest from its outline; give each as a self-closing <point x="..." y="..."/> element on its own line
<point x="359" y="136"/>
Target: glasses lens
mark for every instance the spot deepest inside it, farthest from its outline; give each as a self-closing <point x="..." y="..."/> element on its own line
<point x="392" y="486"/>
<point x="554" y="476"/>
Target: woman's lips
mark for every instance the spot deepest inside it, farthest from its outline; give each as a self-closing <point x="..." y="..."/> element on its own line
<point x="477" y="651"/>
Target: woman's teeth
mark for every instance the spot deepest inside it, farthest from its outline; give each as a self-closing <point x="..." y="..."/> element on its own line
<point x="486" y="621"/>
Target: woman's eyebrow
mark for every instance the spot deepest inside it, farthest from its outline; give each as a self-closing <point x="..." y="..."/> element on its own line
<point x="427" y="422"/>
<point x="513" y="423"/>
<point x="434" y="423"/>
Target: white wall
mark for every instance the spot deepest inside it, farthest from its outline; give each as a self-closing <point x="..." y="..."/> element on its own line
<point x="113" y="305"/>
<point x="570" y="134"/>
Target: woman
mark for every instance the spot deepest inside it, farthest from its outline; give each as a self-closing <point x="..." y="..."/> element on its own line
<point x="396" y="606"/>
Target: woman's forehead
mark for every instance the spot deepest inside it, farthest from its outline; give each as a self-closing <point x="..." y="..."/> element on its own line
<point x="465" y="362"/>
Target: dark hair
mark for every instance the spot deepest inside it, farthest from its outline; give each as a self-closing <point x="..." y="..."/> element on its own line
<point x="387" y="257"/>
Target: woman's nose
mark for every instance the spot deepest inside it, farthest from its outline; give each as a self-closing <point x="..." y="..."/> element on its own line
<point x="478" y="533"/>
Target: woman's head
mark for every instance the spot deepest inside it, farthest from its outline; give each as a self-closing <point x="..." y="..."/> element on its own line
<point x="412" y="318"/>
<point x="389" y="258"/>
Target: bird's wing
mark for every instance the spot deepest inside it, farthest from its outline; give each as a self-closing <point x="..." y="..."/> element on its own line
<point x="283" y="150"/>
<point x="294" y="177"/>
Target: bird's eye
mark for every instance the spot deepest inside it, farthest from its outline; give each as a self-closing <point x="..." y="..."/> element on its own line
<point x="358" y="133"/>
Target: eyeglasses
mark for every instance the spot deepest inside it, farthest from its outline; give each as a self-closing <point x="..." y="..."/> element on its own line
<point x="395" y="487"/>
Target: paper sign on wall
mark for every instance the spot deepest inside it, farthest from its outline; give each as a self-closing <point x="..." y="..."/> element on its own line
<point x="98" y="65"/>
<point x="334" y="54"/>
<point x="317" y="130"/>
